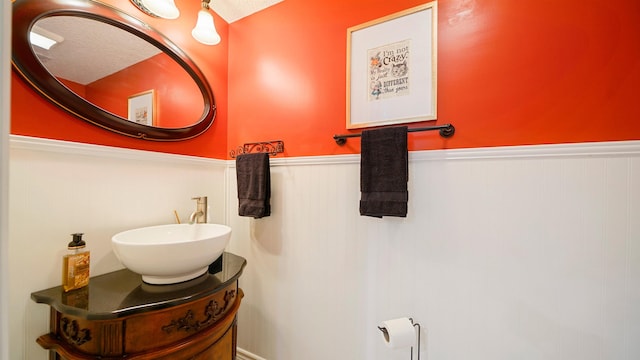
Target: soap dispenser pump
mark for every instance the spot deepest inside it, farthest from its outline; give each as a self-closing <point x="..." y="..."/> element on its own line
<point x="75" y="265"/>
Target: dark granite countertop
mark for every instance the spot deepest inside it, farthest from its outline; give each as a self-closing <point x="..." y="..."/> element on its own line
<point x="122" y="293"/>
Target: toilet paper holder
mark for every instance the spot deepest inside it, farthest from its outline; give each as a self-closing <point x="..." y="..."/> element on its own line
<point x="415" y="325"/>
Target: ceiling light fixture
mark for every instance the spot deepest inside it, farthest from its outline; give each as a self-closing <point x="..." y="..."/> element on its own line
<point x="205" y="30"/>
<point x="165" y="9"/>
<point x="43" y="38"/>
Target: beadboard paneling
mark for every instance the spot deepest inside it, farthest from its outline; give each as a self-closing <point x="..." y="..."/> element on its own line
<point x="519" y="252"/>
<point x="58" y="188"/>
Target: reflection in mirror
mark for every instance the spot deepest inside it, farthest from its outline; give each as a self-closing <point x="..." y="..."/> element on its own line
<point x="108" y="66"/>
<point x="110" y="69"/>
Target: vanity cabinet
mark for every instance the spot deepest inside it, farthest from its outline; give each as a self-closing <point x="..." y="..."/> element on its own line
<point x="120" y="317"/>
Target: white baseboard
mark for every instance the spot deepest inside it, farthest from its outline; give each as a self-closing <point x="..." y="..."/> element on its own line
<point x="245" y="355"/>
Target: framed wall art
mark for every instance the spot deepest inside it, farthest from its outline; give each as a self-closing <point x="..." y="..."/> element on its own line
<point x="141" y="108"/>
<point x="392" y="69"/>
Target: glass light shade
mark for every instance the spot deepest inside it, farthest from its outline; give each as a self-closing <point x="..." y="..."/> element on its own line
<point x="205" y="31"/>
<point x="166" y="9"/>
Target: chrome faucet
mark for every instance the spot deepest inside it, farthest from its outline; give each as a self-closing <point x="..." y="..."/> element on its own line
<point x="200" y="215"/>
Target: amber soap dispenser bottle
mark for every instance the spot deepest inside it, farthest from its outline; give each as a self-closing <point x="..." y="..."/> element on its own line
<point x="75" y="265"/>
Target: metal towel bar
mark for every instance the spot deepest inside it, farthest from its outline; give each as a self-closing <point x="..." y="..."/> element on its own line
<point x="446" y="131"/>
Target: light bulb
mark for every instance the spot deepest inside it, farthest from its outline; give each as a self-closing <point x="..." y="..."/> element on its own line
<point x="205" y="31"/>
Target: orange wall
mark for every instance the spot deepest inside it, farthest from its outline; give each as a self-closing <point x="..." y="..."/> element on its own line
<point x="177" y="96"/>
<point x="33" y="116"/>
<point x="75" y="87"/>
<point x="511" y="73"/>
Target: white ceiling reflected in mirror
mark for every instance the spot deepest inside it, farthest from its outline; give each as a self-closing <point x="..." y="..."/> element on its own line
<point x="100" y="59"/>
<point x="88" y="50"/>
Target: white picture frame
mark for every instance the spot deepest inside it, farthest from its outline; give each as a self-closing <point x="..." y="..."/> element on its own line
<point x="383" y="90"/>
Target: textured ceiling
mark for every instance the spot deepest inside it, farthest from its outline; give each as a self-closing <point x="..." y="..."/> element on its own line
<point x="90" y="50"/>
<point x="232" y="10"/>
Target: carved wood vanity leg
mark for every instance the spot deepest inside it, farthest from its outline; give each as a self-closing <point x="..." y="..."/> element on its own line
<point x="52" y="329"/>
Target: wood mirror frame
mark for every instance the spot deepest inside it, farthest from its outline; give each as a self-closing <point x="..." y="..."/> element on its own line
<point x="27" y="64"/>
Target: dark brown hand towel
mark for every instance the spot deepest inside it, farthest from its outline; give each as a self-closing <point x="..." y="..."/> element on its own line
<point x="254" y="185"/>
<point x="384" y="172"/>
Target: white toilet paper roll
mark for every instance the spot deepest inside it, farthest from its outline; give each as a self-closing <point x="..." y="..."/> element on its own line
<point x="400" y="333"/>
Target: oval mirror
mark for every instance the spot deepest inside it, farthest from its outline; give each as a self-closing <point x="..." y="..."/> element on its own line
<point x="110" y="69"/>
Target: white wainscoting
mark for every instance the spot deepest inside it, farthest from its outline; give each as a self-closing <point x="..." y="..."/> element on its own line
<point x="528" y="252"/>
<point x="58" y="188"/>
<point x="507" y="253"/>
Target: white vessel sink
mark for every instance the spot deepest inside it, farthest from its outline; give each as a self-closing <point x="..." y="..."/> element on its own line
<point x="169" y="254"/>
